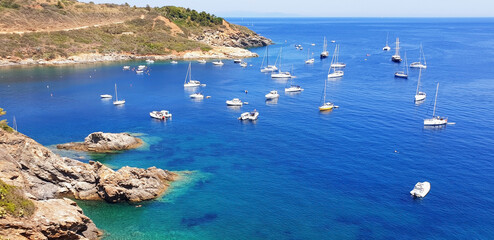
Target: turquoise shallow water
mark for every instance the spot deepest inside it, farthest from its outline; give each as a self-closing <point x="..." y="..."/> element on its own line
<point x="296" y="173"/>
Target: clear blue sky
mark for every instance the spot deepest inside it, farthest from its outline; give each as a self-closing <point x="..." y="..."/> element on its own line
<point x="329" y="8"/>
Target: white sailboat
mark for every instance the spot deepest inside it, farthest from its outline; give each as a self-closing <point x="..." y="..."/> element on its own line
<point x="403" y="74"/>
<point x="281" y="74"/>
<point x="435" y="120"/>
<point x="309" y="59"/>
<point x="336" y="63"/>
<point x="325" y="53"/>
<point x="387" y="47"/>
<point x="188" y="79"/>
<point x="326" y="106"/>
<point x="117" y="102"/>
<point x="335" y="73"/>
<point x="201" y="61"/>
<point x="396" y="57"/>
<point x="419" y="64"/>
<point x="419" y="96"/>
<point x="268" y="68"/>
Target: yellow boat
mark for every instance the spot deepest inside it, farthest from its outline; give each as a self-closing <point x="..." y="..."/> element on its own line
<point x="326" y="107"/>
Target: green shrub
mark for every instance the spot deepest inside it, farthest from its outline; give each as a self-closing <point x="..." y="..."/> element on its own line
<point x="13" y="202"/>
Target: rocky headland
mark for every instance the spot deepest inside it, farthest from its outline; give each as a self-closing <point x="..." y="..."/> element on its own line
<point x="104" y="142"/>
<point x="46" y="178"/>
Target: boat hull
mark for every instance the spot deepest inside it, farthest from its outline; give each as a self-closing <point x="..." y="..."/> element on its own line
<point x="437" y="121"/>
<point x="336" y="74"/>
<point x="421" y="189"/>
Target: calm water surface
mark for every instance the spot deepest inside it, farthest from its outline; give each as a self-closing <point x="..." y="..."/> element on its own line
<point x="296" y="173"/>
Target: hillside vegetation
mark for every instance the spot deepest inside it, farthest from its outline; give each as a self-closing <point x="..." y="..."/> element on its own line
<point x="13" y="202"/>
<point x="49" y="29"/>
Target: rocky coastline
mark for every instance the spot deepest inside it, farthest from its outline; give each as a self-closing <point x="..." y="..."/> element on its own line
<point x="46" y="178"/>
<point x="217" y="52"/>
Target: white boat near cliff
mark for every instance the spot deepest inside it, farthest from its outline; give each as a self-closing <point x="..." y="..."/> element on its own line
<point x="161" y="115"/>
<point x="188" y="79"/>
<point x="117" y="102"/>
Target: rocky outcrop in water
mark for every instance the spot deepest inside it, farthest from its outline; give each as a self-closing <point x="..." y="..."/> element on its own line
<point x="43" y="176"/>
<point x="53" y="219"/>
<point x="104" y="142"/>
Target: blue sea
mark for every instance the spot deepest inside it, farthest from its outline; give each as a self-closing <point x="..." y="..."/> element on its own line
<point x="295" y="173"/>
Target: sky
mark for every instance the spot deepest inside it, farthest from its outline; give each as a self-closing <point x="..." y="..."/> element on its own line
<point x="328" y="8"/>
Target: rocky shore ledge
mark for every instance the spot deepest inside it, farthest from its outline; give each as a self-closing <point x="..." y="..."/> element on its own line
<point x="44" y="177"/>
<point x="218" y="52"/>
<point x="104" y="142"/>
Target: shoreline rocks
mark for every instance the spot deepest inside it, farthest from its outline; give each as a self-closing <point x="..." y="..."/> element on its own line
<point x="44" y="177"/>
<point x="104" y="142"/>
<point x="217" y="52"/>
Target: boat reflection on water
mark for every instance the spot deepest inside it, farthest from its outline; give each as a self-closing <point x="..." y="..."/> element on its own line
<point x="272" y="101"/>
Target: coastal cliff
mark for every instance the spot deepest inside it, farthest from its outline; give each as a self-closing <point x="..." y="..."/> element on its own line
<point x="45" y="177"/>
<point x="75" y="32"/>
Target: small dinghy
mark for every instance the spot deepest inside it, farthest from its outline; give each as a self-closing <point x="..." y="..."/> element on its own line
<point x="421" y="189"/>
<point x="105" y="96"/>
<point x="197" y="96"/>
<point x="161" y="115"/>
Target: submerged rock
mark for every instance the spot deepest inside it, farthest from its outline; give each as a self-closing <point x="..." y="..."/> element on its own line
<point x="104" y="142"/>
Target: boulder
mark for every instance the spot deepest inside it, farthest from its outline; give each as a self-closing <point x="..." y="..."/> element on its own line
<point x="104" y="142"/>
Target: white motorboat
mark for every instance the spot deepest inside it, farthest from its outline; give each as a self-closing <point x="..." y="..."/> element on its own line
<point x="334" y="73"/>
<point x="272" y="95"/>
<point x="435" y="120"/>
<point x="336" y="63"/>
<point x="117" y="102"/>
<point x="268" y="68"/>
<point x="324" y="53"/>
<point x="294" y="88"/>
<point x="141" y="67"/>
<point x="234" y="102"/>
<point x="386" y="48"/>
<point x="403" y="74"/>
<point x="252" y="116"/>
<point x="174" y="62"/>
<point x="313" y="44"/>
<point x="197" y="96"/>
<point x="126" y="67"/>
<point x="139" y="71"/>
<point x="161" y="115"/>
<point x="149" y="61"/>
<point x="201" y="61"/>
<point x="243" y="64"/>
<point x="419" y="64"/>
<point x="105" y="96"/>
<point x="419" y="96"/>
<point x="326" y="106"/>
<point x="421" y="189"/>
<point x="188" y="79"/>
<point x="396" y="57"/>
<point x="218" y="63"/>
<point x="333" y="41"/>
<point x="237" y="60"/>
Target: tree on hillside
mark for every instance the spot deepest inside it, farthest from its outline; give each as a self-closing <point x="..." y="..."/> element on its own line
<point x="148" y="8"/>
<point x="3" y="123"/>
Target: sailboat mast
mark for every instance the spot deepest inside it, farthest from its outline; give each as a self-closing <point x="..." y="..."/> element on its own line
<point x="116" y="95"/>
<point x="267" y="56"/>
<point x="406" y="63"/>
<point x="324" y="97"/>
<point x="435" y="100"/>
<point x="418" y="83"/>
<point x="397" y="46"/>
<point x="387" y="35"/>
